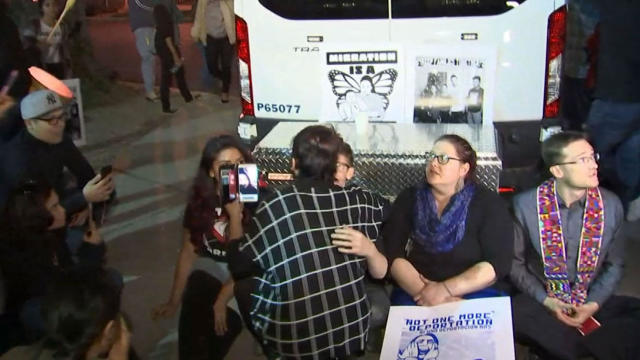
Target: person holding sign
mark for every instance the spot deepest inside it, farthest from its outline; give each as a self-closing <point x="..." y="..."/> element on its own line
<point x="448" y="238"/>
<point x="569" y="259"/>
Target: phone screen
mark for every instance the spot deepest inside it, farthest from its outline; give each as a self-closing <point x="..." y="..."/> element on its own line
<point x="228" y="194"/>
<point x="248" y="182"/>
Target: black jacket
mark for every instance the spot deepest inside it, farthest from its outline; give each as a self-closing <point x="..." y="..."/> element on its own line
<point x="25" y="156"/>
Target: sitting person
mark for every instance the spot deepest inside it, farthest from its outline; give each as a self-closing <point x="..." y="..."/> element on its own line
<point x="449" y="238"/>
<point x="569" y="259"/>
<point x="310" y="302"/>
<point x="83" y="321"/>
<point x="33" y="251"/>
<point x="209" y="224"/>
<point x="378" y="297"/>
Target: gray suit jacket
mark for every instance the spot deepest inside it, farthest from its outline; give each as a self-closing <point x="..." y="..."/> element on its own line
<point x="527" y="271"/>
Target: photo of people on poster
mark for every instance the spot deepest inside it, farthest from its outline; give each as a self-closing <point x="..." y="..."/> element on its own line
<point x="448" y="90"/>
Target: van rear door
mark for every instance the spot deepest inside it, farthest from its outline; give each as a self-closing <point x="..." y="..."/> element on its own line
<point x="286" y="40"/>
<point x="515" y="31"/>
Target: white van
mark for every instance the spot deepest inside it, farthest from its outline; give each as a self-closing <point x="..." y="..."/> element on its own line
<point x="451" y="61"/>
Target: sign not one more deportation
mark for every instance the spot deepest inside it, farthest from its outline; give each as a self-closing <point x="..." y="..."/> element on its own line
<point x="479" y="329"/>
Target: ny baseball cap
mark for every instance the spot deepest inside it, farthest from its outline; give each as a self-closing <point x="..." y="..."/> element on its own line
<point x="39" y="103"/>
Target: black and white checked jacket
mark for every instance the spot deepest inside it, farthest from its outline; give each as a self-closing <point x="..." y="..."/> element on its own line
<point x="310" y="300"/>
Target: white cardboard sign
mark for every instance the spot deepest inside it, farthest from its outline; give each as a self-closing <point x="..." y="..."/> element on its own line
<point x="75" y="127"/>
<point x="479" y="329"/>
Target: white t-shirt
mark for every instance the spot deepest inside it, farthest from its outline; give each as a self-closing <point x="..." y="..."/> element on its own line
<point x="51" y="53"/>
<point x="214" y="21"/>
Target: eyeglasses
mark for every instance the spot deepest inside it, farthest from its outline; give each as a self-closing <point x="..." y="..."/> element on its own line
<point x="443" y="159"/>
<point x="54" y="120"/>
<point x="583" y="160"/>
<point x="339" y="163"/>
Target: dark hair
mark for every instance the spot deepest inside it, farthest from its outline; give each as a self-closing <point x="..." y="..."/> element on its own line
<point x="204" y="190"/>
<point x="26" y="209"/>
<point x="41" y="5"/>
<point x="552" y="148"/>
<point x="77" y="309"/>
<point x="345" y="150"/>
<point x="465" y="153"/>
<point x="315" y="150"/>
<point x="476" y="77"/>
<point x="370" y="80"/>
<point x="161" y="15"/>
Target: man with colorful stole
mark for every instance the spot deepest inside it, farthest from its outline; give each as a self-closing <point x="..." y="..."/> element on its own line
<point x="569" y="259"/>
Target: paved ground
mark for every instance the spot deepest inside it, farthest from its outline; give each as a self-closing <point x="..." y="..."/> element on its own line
<point x="114" y="45"/>
<point x="155" y="157"/>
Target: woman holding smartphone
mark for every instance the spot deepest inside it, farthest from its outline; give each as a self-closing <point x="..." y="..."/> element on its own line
<point x="171" y="60"/>
<point x="201" y="278"/>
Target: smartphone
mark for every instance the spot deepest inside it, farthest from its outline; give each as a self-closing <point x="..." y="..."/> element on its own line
<point x="105" y="171"/>
<point x="227" y="183"/>
<point x="588" y="326"/>
<point x="248" y="182"/>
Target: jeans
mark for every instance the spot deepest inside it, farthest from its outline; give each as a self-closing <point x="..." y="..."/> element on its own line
<point x="145" y="45"/>
<point x="615" y="131"/>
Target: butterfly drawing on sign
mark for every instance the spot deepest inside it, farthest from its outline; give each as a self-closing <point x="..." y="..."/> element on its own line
<point x="370" y="95"/>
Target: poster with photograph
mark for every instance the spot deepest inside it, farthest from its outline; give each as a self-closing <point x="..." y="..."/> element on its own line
<point x="453" y="84"/>
<point x="75" y="117"/>
<point x="469" y="329"/>
<point x="362" y="80"/>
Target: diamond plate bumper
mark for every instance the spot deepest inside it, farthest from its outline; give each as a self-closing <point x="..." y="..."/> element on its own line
<point x="389" y="157"/>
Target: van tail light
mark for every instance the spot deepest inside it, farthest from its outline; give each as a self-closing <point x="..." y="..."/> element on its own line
<point x="244" y="66"/>
<point x="506" y="190"/>
<point x="556" y="31"/>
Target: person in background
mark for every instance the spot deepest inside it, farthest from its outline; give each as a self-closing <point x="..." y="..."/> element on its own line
<point x="83" y="321"/>
<point x="448" y="238"/>
<point x="49" y="51"/>
<point x="614" y="119"/>
<point x="171" y="61"/>
<point x="214" y="27"/>
<point x="576" y="93"/>
<point x="209" y="320"/>
<point x="143" y="27"/>
<point x="12" y="57"/>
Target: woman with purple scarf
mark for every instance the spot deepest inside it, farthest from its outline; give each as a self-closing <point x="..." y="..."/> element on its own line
<point x="449" y="238"/>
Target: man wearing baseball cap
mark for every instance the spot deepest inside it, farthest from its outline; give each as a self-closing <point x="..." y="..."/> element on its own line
<point x="42" y="148"/>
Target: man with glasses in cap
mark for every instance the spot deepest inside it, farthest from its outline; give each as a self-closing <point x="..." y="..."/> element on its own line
<point x="569" y="259"/>
<point x="42" y="148"/>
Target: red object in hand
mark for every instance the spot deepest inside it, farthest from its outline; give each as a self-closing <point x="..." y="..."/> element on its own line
<point x="589" y="326"/>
